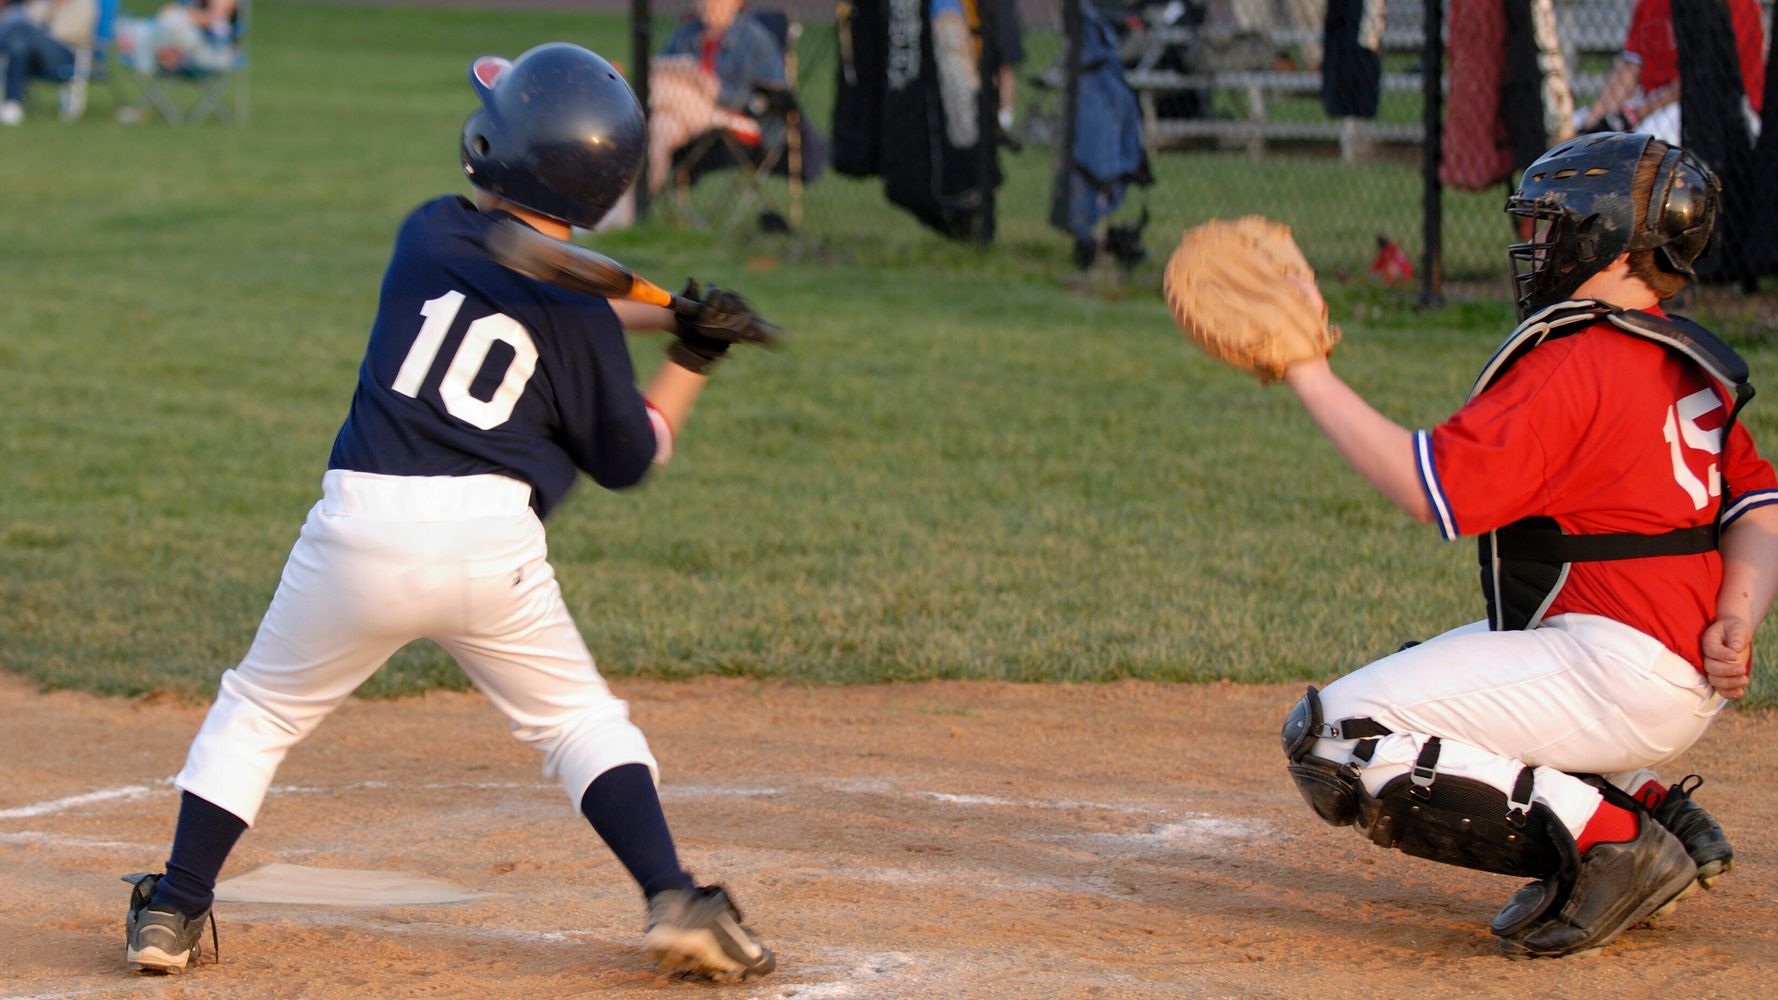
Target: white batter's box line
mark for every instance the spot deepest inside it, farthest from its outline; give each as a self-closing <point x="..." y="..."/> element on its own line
<point x="1065" y="804"/>
<point x="862" y="974"/>
<point x="680" y="793"/>
<point x="879" y="786"/>
<point x="124" y="793"/>
<point x="1195" y="832"/>
<point x="359" y="786"/>
<point x="62" y="840"/>
<point x="337" y="917"/>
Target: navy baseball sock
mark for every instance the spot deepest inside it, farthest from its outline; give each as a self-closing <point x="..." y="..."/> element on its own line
<point x="201" y="842"/>
<point x="624" y="809"/>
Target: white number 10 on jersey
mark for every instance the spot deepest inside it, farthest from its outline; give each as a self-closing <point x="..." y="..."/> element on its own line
<point x="467" y="362"/>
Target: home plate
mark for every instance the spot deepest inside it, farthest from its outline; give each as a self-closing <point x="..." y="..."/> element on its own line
<point x="281" y="883"/>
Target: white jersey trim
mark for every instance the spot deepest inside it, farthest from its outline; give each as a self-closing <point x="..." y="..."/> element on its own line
<point x="663" y="435"/>
<point x="1743" y="504"/>
<point x="1435" y="493"/>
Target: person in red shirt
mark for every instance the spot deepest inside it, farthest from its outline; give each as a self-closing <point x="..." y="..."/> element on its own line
<point x="1629" y="542"/>
<point x="1643" y="89"/>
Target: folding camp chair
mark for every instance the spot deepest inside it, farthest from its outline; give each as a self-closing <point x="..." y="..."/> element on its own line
<point x="191" y="93"/>
<point x="748" y="148"/>
<point x="90" y="63"/>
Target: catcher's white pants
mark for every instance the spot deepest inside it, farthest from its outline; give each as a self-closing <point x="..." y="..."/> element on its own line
<point x="385" y="560"/>
<point x="1581" y="694"/>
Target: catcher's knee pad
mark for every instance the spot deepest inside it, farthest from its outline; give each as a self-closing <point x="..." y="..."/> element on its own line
<point x="1331" y="789"/>
<point x="1463" y="822"/>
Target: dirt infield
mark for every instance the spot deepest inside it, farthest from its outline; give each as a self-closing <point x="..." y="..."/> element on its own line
<point x="937" y="840"/>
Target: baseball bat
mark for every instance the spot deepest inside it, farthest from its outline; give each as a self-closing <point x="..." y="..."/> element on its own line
<point x="529" y="252"/>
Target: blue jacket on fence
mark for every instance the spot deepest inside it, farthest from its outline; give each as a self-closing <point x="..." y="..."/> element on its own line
<point x="1108" y="152"/>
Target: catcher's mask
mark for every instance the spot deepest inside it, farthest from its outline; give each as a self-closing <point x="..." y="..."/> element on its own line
<point x="1583" y="217"/>
<point x="559" y="132"/>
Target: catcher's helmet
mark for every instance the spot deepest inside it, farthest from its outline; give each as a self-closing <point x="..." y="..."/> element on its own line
<point x="1578" y="196"/>
<point x="559" y="132"/>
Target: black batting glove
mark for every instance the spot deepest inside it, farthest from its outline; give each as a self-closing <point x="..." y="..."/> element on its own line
<point x="695" y="350"/>
<point x="722" y="318"/>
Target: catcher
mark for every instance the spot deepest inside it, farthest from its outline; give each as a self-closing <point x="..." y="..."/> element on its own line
<point x="1629" y="545"/>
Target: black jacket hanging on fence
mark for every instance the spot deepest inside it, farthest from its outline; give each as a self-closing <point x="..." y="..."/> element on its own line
<point x="938" y="144"/>
<point x="1351" y="65"/>
<point x="1108" y="155"/>
<point x="862" y="26"/>
<point x="1713" y="126"/>
<point x="1761" y="245"/>
<point x="1508" y="87"/>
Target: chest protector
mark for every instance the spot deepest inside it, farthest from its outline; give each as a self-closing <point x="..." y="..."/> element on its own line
<point x="1525" y="564"/>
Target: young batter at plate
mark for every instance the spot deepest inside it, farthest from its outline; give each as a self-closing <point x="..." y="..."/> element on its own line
<point x="482" y="395"/>
<point x="1629" y="539"/>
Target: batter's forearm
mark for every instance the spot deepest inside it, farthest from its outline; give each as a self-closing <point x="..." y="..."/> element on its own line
<point x="638" y="316"/>
<point x="1619" y="88"/>
<point x="672" y="392"/>
<point x="1379" y="449"/>
<point x="1749" y="566"/>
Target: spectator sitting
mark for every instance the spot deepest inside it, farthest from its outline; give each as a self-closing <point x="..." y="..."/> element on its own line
<point x="1642" y="93"/>
<point x="190" y="36"/>
<point x="711" y="74"/>
<point x="38" y="38"/>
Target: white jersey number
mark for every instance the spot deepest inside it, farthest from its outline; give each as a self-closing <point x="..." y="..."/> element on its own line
<point x="471" y="354"/>
<point x="1682" y="426"/>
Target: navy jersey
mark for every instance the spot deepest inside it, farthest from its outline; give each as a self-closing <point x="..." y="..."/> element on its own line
<point x="475" y="369"/>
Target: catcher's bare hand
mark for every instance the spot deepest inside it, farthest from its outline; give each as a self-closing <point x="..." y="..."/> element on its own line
<point x="1728" y="655"/>
<point x="1243" y="292"/>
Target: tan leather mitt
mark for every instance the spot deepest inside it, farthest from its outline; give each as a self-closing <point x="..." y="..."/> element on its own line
<point x="1230" y="286"/>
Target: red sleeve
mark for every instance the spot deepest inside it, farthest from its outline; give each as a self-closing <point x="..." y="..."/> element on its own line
<point x="1650" y="43"/>
<point x="1747" y="479"/>
<point x="1491" y="459"/>
<point x="1750" y="44"/>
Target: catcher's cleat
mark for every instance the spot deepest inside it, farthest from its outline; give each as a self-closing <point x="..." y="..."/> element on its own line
<point x="698" y="931"/>
<point x="1585" y="905"/>
<point x="1697" y="830"/>
<point x="159" y="940"/>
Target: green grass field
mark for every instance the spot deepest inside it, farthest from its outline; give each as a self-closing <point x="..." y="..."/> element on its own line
<point x="968" y="464"/>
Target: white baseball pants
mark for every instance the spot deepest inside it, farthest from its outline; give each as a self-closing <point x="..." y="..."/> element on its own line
<point x="1581" y="694"/>
<point x="385" y="560"/>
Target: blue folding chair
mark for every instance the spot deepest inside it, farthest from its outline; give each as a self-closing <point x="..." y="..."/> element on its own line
<point x="190" y="94"/>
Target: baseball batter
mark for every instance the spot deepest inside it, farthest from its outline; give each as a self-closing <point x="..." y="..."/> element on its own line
<point x="482" y="395"/>
<point x="1629" y="539"/>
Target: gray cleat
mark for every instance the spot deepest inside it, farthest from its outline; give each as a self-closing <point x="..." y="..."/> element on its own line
<point x="1697" y="830"/>
<point x="1591" y="901"/>
<point x="698" y="931"/>
<point x="157" y="940"/>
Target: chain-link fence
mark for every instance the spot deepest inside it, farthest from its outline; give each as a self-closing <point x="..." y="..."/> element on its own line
<point x="1316" y="112"/>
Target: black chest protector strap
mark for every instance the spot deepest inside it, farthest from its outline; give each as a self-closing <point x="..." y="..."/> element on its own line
<point x="1525" y="563"/>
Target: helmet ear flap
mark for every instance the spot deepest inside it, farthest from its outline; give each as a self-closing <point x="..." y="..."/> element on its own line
<point x="1681" y="211"/>
<point x="484" y="72"/>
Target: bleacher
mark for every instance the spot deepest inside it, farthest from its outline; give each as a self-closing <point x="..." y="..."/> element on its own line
<point x="1586" y="28"/>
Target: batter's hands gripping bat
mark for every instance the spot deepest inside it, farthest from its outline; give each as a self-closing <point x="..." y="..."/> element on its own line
<point x="529" y="252"/>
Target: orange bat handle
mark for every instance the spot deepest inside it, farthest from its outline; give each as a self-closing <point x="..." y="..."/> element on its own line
<point x="643" y="290"/>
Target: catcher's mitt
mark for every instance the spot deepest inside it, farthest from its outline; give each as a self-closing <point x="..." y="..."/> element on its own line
<point x="1241" y="290"/>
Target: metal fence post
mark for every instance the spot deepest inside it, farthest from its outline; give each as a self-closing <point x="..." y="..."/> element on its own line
<point x="1062" y="168"/>
<point x="1432" y="72"/>
<point x="641" y="47"/>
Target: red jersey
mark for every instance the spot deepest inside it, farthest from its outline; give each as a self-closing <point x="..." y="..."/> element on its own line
<point x="1606" y="432"/>
<point x="1650" y="44"/>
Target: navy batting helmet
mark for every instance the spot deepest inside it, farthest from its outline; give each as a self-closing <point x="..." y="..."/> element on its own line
<point x="559" y="132"/>
<point x="1578" y="196"/>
